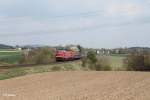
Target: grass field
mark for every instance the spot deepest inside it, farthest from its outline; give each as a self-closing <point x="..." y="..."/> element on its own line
<point x="9" y="57"/>
<point x="114" y="61"/>
<point x="117" y="62"/>
<point x="20" y="71"/>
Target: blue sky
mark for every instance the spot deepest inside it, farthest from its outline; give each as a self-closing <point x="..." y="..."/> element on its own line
<point x="91" y="23"/>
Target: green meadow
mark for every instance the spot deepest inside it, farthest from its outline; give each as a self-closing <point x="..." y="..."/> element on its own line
<point x="116" y="62"/>
<point x="9" y="57"/>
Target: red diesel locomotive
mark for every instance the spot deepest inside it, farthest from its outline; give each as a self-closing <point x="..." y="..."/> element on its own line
<point x="67" y="53"/>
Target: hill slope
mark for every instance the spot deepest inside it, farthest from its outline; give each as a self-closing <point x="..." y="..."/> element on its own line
<point x="3" y="46"/>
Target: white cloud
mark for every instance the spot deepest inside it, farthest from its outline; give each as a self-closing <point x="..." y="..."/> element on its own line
<point x="128" y="9"/>
<point x="75" y="5"/>
<point x="27" y="25"/>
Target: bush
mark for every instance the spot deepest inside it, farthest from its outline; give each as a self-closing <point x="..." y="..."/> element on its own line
<point x="38" y="56"/>
<point x="44" y="55"/>
<point x="103" y="64"/>
<point x="94" y="63"/>
<point x="98" y="67"/>
<point x="138" y="62"/>
<point x="90" y="60"/>
<point x="91" y="56"/>
<point x="56" y="68"/>
<point x="147" y="61"/>
<point x="84" y="61"/>
<point x="107" y="68"/>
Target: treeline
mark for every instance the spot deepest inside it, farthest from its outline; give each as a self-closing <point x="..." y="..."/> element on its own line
<point x="131" y="50"/>
<point x="132" y="62"/>
<point x="137" y="62"/>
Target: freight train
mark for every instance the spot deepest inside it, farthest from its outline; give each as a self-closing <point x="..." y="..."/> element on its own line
<point x="68" y="53"/>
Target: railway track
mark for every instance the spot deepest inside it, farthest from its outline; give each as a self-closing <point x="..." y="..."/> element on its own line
<point x="34" y="65"/>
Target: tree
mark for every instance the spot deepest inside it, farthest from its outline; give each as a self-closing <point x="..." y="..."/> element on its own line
<point x="38" y="56"/>
<point x="138" y="62"/>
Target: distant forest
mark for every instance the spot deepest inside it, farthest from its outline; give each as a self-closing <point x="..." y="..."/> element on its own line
<point x="3" y="46"/>
<point x="130" y="50"/>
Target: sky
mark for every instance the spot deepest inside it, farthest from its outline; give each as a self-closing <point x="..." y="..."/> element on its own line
<point x="90" y="23"/>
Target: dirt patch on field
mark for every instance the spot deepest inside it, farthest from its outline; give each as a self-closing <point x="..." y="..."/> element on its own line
<point x="78" y="86"/>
